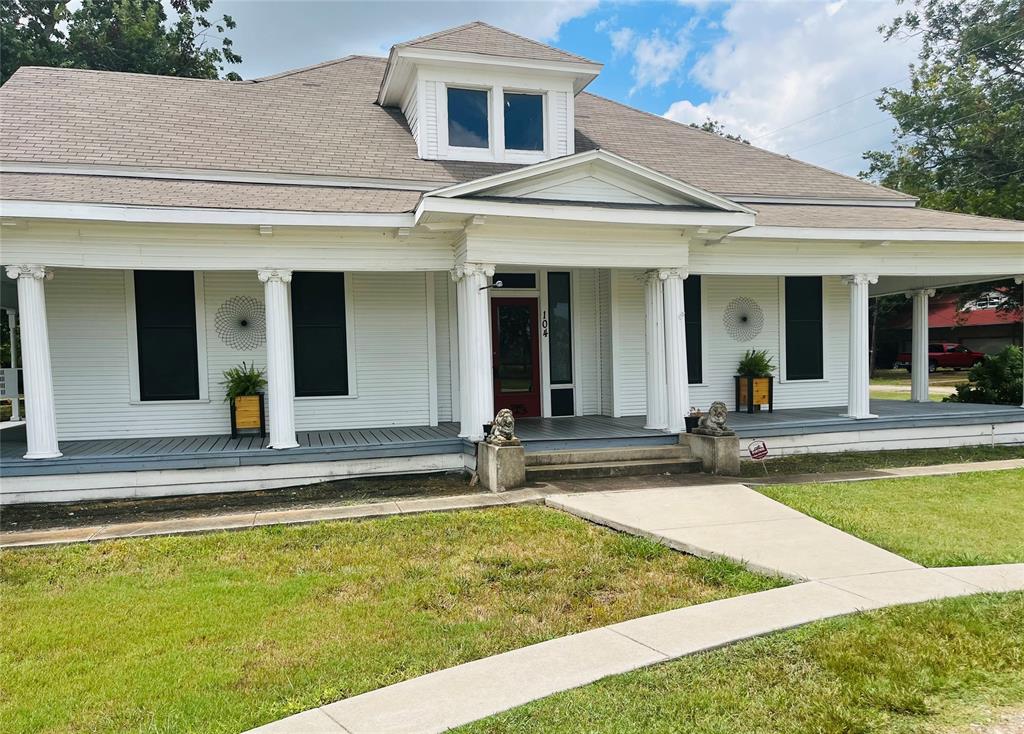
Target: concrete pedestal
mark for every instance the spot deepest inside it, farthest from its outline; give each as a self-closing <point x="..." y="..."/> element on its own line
<point x="718" y="454"/>
<point x="500" y="467"/>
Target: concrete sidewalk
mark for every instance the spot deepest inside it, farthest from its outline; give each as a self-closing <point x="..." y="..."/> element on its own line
<point x="203" y="523"/>
<point x="449" y="698"/>
<point x="735" y="522"/>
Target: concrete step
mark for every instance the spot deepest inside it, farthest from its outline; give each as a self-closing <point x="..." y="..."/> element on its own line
<point x="607" y="455"/>
<point x="612" y="469"/>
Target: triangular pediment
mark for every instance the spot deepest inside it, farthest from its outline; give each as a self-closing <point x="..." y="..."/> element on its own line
<point x="593" y="177"/>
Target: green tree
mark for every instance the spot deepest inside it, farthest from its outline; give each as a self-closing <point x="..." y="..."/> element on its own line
<point x="716" y="127"/>
<point x="959" y="136"/>
<point x="116" y="35"/>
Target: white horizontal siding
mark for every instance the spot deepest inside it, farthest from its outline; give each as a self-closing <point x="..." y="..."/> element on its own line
<point x="88" y="324"/>
<point x="428" y="122"/>
<point x="721" y="353"/>
<point x="443" y="346"/>
<point x="587" y="342"/>
<point x="391" y="372"/>
<point x="628" y="342"/>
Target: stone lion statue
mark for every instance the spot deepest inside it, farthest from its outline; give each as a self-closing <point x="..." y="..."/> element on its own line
<point x="503" y="429"/>
<point x="713" y="423"/>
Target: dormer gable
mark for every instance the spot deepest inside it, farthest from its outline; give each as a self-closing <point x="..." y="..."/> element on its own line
<point x="479" y="93"/>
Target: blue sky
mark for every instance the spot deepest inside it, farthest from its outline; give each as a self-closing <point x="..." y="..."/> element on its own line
<point x="798" y="77"/>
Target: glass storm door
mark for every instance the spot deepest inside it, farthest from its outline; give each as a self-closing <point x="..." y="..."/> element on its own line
<point x="515" y="354"/>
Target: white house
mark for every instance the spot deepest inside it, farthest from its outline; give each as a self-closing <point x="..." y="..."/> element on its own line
<point x="366" y="209"/>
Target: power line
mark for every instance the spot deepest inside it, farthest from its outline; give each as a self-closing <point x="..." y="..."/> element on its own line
<point x="873" y="91"/>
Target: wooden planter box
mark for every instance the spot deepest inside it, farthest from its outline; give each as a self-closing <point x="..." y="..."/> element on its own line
<point x="246" y="413"/>
<point x="753" y="392"/>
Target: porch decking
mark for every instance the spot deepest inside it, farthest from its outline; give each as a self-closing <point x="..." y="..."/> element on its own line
<point x="538" y="434"/>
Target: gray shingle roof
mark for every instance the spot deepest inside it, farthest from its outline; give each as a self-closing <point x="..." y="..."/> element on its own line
<point x="324" y="121"/>
<point x="202" y="194"/>
<point x="874" y="217"/>
<point x="481" y="38"/>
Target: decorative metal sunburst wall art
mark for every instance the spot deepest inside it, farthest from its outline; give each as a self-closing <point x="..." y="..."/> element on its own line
<point x="743" y="319"/>
<point x="241" y="323"/>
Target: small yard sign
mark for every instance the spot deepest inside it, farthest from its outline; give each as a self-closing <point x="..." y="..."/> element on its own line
<point x="758" y="451"/>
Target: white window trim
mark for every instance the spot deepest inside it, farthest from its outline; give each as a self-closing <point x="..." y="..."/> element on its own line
<point x="458" y="152"/>
<point x="350" y="344"/>
<point x="515" y="155"/>
<point x="783" y="378"/>
<point x="135" y="392"/>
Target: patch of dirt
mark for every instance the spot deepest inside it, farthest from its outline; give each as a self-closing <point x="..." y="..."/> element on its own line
<point x="1006" y="722"/>
<point x="345" y="491"/>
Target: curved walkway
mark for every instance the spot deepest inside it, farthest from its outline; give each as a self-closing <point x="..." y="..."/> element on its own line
<point x="839" y="574"/>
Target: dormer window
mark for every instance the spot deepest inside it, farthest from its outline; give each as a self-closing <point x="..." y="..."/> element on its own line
<point x="467" y="118"/>
<point x="524" y="121"/>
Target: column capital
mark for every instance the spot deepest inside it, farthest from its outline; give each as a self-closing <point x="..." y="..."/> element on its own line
<point x="928" y="292"/>
<point x="860" y="279"/>
<point x="666" y="273"/>
<point x="1018" y="279"/>
<point x="462" y="270"/>
<point x="39" y="272"/>
<point x="276" y="275"/>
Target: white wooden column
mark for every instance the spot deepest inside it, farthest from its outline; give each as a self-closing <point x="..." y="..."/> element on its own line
<point x="40" y="416"/>
<point x="1019" y="279"/>
<point x="280" y="364"/>
<point x="476" y="382"/>
<point x="859" y="375"/>
<point x="12" y="325"/>
<point x="919" y="345"/>
<point x="677" y="381"/>
<point x="654" y="302"/>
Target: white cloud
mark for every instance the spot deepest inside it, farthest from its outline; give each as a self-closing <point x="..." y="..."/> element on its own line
<point x="782" y="62"/>
<point x="330" y="30"/>
<point x="622" y="39"/>
<point x="657" y="59"/>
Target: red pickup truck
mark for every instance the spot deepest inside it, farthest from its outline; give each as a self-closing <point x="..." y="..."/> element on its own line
<point x="943" y="354"/>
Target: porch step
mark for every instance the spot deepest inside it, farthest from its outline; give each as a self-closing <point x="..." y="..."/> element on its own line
<point x="612" y="469"/>
<point x="624" y="461"/>
<point x="606" y="455"/>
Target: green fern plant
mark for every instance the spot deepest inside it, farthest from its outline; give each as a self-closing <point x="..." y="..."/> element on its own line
<point x="756" y="363"/>
<point x="245" y="379"/>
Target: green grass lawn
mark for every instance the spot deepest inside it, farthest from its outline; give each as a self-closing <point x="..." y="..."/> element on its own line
<point x="945" y="378"/>
<point x="935" y="397"/>
<point x="222" y="632"/>
<point x="914" y="669"/>
<point x="858" y="460"/>
<point x="965" y="519"/>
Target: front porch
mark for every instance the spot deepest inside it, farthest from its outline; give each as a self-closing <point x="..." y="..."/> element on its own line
<point x="788" y="430"/>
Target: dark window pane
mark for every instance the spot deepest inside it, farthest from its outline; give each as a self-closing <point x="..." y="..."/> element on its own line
<point x="560" y="328"/>
<point x="516" y="280"/>
<point x="165" y="318"/>
<point x="562" y="402"/>
<point x="524" y="122"/>
<point x="515" y="370"/>
<point x="319" y="334"/>
<point x="804" y="340"/>
<point x="691" y="304"/>
<point x="467" y="118"/>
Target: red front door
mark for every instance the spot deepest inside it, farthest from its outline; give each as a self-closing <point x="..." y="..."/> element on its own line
<point x="515" y="354"/>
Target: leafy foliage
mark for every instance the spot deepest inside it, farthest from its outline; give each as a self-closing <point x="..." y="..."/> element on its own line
<point x="755" y="363"/>
<point x="116" y="35"/>
<point x="716" y="127"/>
<point x="959" y="142"/>
<point x="245" y="379"/>
<point x="997" y="380"/>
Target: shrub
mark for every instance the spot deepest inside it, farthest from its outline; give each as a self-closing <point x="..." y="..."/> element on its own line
<point x="755" y="364"/>
<point x="244" y="379"/>
<point x="996" y="380"/>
